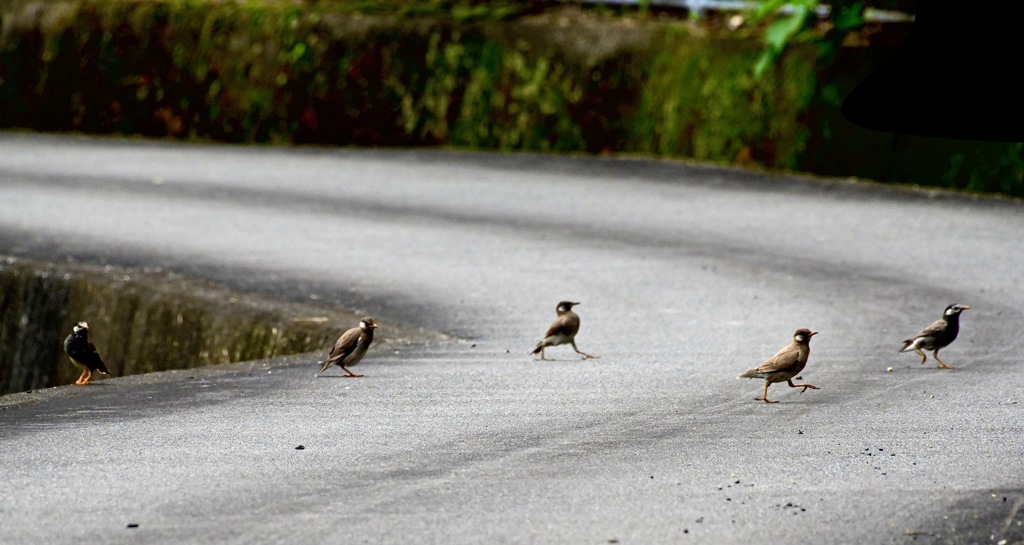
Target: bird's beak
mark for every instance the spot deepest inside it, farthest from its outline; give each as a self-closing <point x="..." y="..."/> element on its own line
<point x="813" y="333"/>
<point x="965" y="307"/>
<point x="574" y="304"/>
<point x="374" y="326"/>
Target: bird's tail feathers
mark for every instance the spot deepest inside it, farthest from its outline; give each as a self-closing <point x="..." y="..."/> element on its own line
<point x="751" y="374"/>
<point x="907" y="345"/>
<point x="323" y="366"/>
<point x="536" y="349"/>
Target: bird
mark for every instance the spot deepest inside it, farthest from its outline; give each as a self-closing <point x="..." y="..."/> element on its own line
<point x="350" y="348"/>
<point x="563" y="330"/>
<point x="937" y="336"/>
<point x="785" y="364"/>
<point x="83" y="353"/>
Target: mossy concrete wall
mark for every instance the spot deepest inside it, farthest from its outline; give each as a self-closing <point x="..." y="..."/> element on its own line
<point x="560" y="79"/>
<point x="140" y="321"/>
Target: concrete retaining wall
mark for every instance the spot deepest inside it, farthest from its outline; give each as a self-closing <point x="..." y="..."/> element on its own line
<point x="140" y="321"/>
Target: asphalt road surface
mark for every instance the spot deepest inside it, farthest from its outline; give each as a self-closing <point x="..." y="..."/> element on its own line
<point x="688" y="275"/>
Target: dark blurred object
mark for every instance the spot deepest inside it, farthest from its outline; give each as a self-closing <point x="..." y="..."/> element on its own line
<point x="955" y="77"/>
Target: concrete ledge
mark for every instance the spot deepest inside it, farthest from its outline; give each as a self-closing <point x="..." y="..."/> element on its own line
<point x="145" y="320"/>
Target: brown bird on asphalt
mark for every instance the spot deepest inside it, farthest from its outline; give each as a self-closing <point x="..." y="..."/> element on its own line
<point x="785" y="364"/>
<point x="350" y="348"/>
<point x="562" y="331"/>
<point x="937" y="336"/>
<point x="83" y="353"/>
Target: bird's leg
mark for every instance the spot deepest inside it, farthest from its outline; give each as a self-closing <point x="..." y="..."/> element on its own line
<point x="804" y="386"/>
<point x="82" y="377"/>
<point x="923" y="357"/>
<point x="765" y="397"/>
<point x="542" y="354"/>
<point x="942" y="364"/>
<point x="350" y="373"/>
<point x="88" y="377"/>
<point x="584" y="354"/>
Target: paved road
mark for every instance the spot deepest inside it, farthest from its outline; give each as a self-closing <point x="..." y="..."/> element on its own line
<point x="688" y="275"/>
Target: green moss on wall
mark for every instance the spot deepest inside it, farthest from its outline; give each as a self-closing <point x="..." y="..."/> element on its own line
<point x="701" y="100"/>
<point x="508" y="76"/>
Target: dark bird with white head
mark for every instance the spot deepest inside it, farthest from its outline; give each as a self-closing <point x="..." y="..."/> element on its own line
<point x="83" y="353"/>
<point x="937" y="336"/>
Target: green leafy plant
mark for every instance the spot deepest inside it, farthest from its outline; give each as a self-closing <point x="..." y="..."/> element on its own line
<point x="795" y="21"/>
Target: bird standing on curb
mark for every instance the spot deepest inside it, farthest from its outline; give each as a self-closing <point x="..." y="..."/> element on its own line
<point x="350" y="348"/>
<point x="785" y="364"/>
<point x="563" y="330"/>
<point x="83" y="354"/>
<point x="937" y="336"/>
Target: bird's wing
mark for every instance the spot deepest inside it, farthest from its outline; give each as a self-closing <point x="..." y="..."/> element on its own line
<point x="566" y="325"/>
<point x="87" y="355"/>
<point x="346" y="345"/>
<point x="787" y="359"/>
<point x="934" y="330"/>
